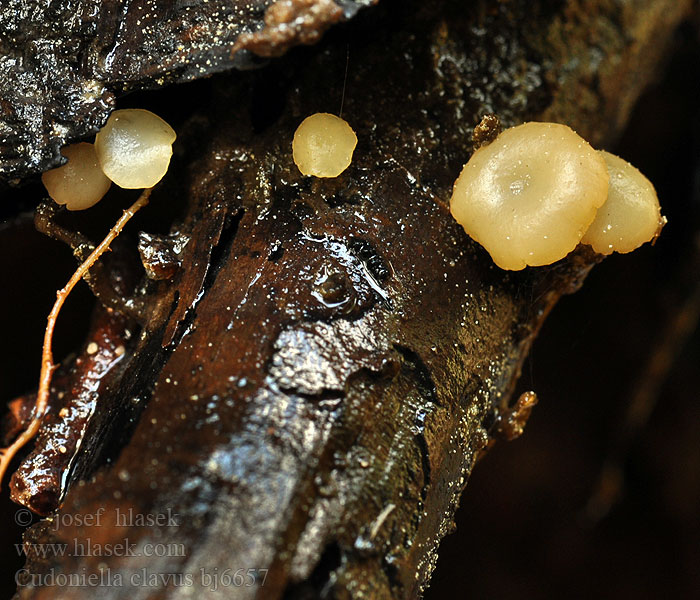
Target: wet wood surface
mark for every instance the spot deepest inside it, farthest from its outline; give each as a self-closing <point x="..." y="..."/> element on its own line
<point x="62" y="64"/>
<point x="313" y="378"/>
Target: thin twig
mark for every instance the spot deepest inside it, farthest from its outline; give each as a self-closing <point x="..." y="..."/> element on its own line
<point x="47" y="366"/>
<point x="97" y="278"/>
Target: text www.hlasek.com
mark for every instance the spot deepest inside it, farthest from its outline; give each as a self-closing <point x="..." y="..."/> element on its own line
<point x="86" y="548"/>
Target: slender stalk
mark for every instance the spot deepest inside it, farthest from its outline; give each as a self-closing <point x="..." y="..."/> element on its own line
<point x="47" y="366"/>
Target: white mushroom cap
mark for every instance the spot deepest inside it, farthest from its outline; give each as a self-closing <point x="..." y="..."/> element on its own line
<point x="530" y="195"/>
<point x="323" y="145"/>
<point x="134" y="148"/>
<point x="630" y="216"/>
<point x="80" y="183"/>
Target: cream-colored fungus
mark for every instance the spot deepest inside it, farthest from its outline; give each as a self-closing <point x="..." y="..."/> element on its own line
<point x="323" y="145"/>
<point x="134" y="148"/>
<point x="529" y="196"/>
<point x="630" y="216"/>
<point x="80" y="183"/>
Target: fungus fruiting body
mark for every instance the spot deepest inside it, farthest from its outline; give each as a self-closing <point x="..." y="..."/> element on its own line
<point x="529" y="196"/>
<point x="80" y="183"/>
<point x="134" y="148"/>
<point x="631" y="214"/>
<point x="323" y="145"/>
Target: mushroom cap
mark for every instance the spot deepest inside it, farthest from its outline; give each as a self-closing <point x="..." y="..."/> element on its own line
<point x="630" y="216"/>
<point x="134" y="148"/>
<point x="323" y="145"/>
<point x="530" y="195"/>
<point x="80" y="183"/>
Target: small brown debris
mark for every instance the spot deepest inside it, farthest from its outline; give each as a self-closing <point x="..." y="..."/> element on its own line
<point x="514" y="420"/>
<point x="486" y="131"/>
<point x="289" y="22"/>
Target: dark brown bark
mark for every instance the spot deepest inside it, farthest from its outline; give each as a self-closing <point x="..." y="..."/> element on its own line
<point x="62" y="64"/>
<point x="311" y="387"/>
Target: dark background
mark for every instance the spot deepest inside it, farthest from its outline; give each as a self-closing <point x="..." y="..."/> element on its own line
<point x="522" y="529"/>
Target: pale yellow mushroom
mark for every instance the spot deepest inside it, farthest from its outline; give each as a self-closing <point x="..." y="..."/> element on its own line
<point x="323" y="145"/>
<point x="529" y="196"/>
<point x="630" y="216"/>
<point x="80" y="183"/>
<point x="134" y="148"/>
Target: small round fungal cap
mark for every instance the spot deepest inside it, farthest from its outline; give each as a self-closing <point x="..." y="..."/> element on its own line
<point x="530" y="195"/>
<point x="323" y="145"/>
<point x="630" y="216"/>
<point x="80" y="183"/>
<point x="134" y="148"/>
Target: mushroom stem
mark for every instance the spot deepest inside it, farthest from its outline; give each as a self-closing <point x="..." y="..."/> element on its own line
<point x="47" y="366"/>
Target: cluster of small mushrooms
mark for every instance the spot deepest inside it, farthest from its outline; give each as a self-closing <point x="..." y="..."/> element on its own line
<point x="539" y="189"/>
<point x="133" y="150"/>
<point x="529" y="197"/>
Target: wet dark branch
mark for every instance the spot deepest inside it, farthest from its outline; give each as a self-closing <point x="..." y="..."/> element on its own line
<point x="316" y="379"/>
<point x="63" y="64"/>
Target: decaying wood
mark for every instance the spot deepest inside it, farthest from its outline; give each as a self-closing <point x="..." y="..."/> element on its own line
<point x="47" y="364"/>
<point x="314" y="381"/>
<point x="39" y="481"/>
<point x="62" y="64"/>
